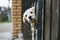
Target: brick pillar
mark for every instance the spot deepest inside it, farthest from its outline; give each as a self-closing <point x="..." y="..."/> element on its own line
<point x="16" y="17"/>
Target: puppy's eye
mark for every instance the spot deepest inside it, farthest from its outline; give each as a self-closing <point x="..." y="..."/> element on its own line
<point x="25" y="15"/>
<point x="31" y="12"/>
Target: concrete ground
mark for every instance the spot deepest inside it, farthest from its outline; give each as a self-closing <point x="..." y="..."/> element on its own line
<point x="6" y="32"/>
<point x="5" y="27"/>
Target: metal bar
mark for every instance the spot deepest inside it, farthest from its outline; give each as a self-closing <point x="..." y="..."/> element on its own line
<point x="47" y="20"/>
<point x="50" y="19"/>
<point x="59" y="20"/>
<point x="44" y="3"/>
<point x="54" y="20"/>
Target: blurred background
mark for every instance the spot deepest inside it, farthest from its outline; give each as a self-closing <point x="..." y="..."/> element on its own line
<point x="5" y="10"/>
<point x="5" y="20"/>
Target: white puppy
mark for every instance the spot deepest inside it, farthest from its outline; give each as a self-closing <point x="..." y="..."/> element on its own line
<point x="29" y="15"/>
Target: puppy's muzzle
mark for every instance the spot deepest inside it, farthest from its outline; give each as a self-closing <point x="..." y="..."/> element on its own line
<point x="30" y="18"/>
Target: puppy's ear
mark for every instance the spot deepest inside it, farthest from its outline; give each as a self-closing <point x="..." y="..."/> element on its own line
<point x="33" y="8"/>
<point x="23" y="19"/>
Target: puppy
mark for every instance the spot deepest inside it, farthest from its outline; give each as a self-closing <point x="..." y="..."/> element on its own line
<point x="29" y="15"/>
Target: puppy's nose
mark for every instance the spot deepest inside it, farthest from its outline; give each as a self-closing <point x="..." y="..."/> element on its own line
<point x="30" y="17"/>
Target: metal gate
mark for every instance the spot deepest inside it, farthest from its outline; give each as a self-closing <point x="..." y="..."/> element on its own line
<point x="51" y="20"/>
<point x="47" y="12"/>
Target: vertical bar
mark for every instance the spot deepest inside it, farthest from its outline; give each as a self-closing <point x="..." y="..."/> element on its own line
<point x="54" y="20"/>
<point x="36" y="11"/>
<point x="59" y="20"/>
<point x="50" y="19"/>
<point x="39" y="16"/>
<point x="44" y="3"/>
<point x="47" y="19"/>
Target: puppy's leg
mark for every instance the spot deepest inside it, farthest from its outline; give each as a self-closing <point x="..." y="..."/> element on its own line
<point x="32" y="29"/>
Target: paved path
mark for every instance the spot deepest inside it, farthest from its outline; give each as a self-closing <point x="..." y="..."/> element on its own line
<point x="5" y="32"/>
<point x="5" y="27"/>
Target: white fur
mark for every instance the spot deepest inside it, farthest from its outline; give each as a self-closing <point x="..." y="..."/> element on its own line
<point x="27" y="12"/>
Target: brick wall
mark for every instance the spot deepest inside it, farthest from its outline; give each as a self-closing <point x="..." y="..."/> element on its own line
<point x="16" y="17"/>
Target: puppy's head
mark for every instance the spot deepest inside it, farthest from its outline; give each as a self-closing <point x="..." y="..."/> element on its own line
<point x="29" y="15"/>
